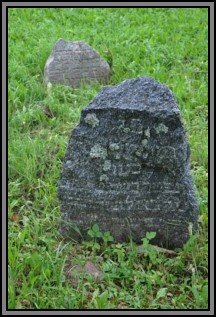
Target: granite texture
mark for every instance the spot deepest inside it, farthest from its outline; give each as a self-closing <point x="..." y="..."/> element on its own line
<point x="74" y="63"/>
<point x="127" y="168"/>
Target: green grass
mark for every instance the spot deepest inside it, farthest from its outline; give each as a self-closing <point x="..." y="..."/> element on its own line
<point x="169" y="45"/>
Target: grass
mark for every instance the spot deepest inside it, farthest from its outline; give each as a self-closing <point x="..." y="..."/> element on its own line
<point x="167" y="44"/>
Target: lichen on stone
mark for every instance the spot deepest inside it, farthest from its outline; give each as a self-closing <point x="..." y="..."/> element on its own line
<point x="126" y="130"/>
<point x="92" y="120"/>
<point x="147" y="133"/>
<point x="97" y="151"/>
<point x="144" y="142"/>
<point x="104" y="178"/>
<point x="145" y="155"/>
<point x="107" y="165"/>
<point x="138" y="153"/>
<point x="161" y="128"/>
<point x="114" y="147"/>
<point x="117" y="156"/>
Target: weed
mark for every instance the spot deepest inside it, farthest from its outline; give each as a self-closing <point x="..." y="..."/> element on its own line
<point x="168" y="44"/>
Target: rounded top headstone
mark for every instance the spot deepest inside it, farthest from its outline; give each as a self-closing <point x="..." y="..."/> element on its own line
<point x="74" y="63"/>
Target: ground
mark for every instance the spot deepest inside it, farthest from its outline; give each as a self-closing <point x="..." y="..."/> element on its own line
<point x="168" y="44"/>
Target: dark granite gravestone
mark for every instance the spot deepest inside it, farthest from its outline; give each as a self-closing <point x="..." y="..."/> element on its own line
<point x="72" y="63"/>
<point x="127" y="167"/>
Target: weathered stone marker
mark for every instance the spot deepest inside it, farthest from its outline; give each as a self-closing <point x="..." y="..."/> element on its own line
<point x="72" y="63"/>
<point x="127" y="167"/>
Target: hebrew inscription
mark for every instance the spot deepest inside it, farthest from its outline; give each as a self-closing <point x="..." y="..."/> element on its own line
<point x="74" y="63"/>
<point x="127" y="167"/>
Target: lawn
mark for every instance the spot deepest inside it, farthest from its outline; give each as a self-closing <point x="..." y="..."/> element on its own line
<point x="168" y="44"/>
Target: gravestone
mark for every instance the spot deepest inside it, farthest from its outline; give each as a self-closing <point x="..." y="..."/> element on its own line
<point x="72" y="63"/>
<point x="127" y="168"/>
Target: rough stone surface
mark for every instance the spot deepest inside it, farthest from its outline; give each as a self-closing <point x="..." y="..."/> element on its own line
<point x="127" y="169"/>
<point x="73" y="272"/>
<point x="72" y="63"/>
